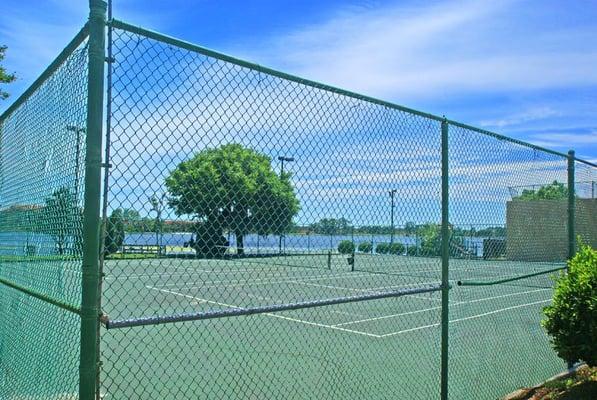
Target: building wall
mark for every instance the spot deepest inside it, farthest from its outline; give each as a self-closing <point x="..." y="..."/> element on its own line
<point x="537" y="230"/>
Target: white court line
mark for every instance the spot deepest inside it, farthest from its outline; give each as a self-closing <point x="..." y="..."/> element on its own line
<point x="265" y="276"/>
<point x="389" y="316"/>
<point x="267" y="314"/>
<point x="464" y="319"/>
<point x="264" y="281"/>
<point x="191" y="271"/>
<point x="437" y="308"/>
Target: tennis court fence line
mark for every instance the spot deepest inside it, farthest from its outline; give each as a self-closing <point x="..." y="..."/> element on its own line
<point x="176" y="222"/>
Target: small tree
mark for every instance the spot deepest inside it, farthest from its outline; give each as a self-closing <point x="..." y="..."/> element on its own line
<point x="431" y="239"/>
<point x="235" y="188"/>
<point x="62" y="219"/>
<point x="346" y="247"/>
<point x="114" y="231"/>
<point x="571" y="319"/>
<point x="5" y="77"/>
<point x="553" y="191"/>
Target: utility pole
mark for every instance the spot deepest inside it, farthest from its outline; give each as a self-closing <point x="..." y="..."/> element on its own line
<point x="157" y="204"/>
<point x="78" y="131"/>
<point x="392" y="194"/>
<point x="282" y="159"/>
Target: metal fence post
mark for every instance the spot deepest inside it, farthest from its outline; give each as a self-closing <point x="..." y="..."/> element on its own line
<point x="88" y="366"/>
<point x="571" y="206"/>
<point x="445" y="251"/>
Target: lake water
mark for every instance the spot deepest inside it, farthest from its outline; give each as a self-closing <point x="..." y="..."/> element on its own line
<point x="15" y="243"/>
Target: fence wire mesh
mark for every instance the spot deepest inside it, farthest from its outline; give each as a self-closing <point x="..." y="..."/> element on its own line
<point x="495" y="328"/>
<point x="586" y="203"/>
<point x="268" y="237"/>
<point x="265" y="179"/>
<point x="42" y="143"/>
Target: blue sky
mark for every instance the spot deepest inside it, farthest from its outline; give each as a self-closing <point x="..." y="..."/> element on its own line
<point x="509" y="66"/>
<point x="522" y="68"/>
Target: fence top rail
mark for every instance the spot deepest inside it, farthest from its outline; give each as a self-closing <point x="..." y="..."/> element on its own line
<point x="506" y="138"/>
<point x="590" y="164"/>
<point x="318" y="85"/>
<point x="260" y="68"/>
<point x="67" y="51"/>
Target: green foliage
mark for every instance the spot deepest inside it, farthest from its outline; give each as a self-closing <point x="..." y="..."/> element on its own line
<point x="115" y="230"/>
<point x="571" y="319"/>
<point x="365" y="247"/>
<point x="62" y="219"/>
<point x="346" y="247"/>
<point x="431" y="239"/>
<point x="209" y="241"/>
<point x="332" y="226"/>
<point x="553" y="191"/>
<point x="382" y="248"/>
<point x="5" y="77"/>
<point x="411" y="251"/>
<point x="233" y="187"/>
<point x="410" y="228"/>
<point x="390" y="248"/>
<point x="396" y="248"/>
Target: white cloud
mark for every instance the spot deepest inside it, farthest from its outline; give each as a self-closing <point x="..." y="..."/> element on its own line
<point x="568" y="140"/>
<point x="529" y="115"/>
<point x="406" y="52"/>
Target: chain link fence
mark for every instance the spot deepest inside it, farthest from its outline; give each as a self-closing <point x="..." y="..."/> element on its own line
<point x="265" y="236"/>
<point x="41" y="189"/>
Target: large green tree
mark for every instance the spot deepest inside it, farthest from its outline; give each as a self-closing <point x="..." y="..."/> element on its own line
<point x="233" y="188"/>
<point x="332" y="226"/>
<point x="5" y="77"/>
<point x="115" y="230"/>
<point x="62" y="219"/>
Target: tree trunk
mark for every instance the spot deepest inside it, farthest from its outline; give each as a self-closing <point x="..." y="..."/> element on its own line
<point x="240" y="245"/>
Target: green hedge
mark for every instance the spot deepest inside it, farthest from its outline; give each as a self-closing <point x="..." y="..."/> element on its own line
<point x="346" y="247"/>
<point x="390" y="248"/>
<point x="365" y="247"/>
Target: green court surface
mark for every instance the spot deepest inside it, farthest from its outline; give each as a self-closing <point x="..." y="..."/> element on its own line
<point x="363" y="349"/>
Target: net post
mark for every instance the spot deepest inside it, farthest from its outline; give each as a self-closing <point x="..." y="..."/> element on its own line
<point x="571" y="206"/>
<point x="329" y="259"/>
<point x="88" y="367"/>
<point x="445" y="232"/>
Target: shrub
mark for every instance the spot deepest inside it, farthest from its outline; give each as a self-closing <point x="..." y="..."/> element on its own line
<point x="411" y="250"/>
<point x="365" y="247"/>
<point x="571" y="319"/>
<point x="382" y="248"/>
<point x="346" y="247"/>
<point x="396" y="248"/>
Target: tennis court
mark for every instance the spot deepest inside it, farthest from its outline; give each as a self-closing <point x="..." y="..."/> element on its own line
<point x="307" y="352"/>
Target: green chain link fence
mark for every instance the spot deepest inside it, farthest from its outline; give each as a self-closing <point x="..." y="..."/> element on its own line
<point x="257" y="235"/>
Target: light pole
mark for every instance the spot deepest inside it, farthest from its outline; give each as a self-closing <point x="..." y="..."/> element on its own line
<point x="392" y="194"/>
<point x="282" y="159"/>
<point x="78" y="131"/>
<point x="157" y="205"/>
